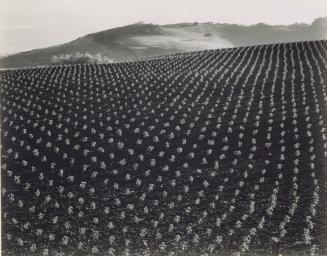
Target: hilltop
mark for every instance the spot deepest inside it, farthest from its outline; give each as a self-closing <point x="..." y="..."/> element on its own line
<point x="145" y="40"/>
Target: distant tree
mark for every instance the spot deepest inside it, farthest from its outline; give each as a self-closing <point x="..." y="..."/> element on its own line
<point x="209" y="35"/>
<point x="54" y="59"/>
<point x="79" y="58"/>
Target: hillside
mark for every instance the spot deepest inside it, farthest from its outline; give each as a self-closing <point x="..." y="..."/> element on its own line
<point x="217" y="152"/>
<point x="144" y="40"/>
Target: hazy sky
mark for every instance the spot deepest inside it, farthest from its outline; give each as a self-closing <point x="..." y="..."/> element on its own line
<point x="29" y="24"/>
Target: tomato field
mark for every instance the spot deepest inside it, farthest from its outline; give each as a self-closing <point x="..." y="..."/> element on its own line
<point x="217" y="152"/>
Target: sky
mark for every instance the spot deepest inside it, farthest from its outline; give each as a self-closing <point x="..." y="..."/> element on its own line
<point x="31" y="24"/>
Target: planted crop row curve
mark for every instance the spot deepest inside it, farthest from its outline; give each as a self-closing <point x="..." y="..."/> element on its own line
<point x="204" y="153"/>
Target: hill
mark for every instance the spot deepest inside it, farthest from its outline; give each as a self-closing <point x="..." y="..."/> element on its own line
<point x="217" y="152"/>
<point x="145" y="40"/>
